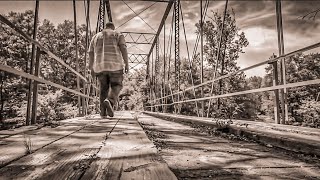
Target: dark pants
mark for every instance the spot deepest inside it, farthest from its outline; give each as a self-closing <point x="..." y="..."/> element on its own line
<point x="110" y="87"/>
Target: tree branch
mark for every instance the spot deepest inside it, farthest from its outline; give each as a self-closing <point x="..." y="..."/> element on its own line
<point x="311" y="15"/>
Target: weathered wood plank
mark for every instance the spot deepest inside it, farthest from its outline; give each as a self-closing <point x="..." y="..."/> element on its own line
<point x="66" y="158"/>
<point x="13" y="147"/>
<point x="128" y="154"/>
<point x="11" y="132"/>
<point x="194" y="154"/>
<point x="293" y="138"/>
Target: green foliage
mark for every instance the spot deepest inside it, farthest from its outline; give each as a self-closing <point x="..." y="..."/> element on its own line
<point x="132" y="95"/>
<point x="47" y="106"/>
<point x="233" y="42"/>
<point x="16" y="52"/>
<point x="51" y="109"/>
<point x="308" y="113"/>
<point x="302" y="68"/>
<point x="302" y="101"/>
<point x="255" y="100"/>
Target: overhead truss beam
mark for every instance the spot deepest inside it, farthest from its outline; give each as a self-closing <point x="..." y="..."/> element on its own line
<point x="163" y="20"/>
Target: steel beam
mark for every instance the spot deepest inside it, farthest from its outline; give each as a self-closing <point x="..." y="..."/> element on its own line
<point x="39" y="80"/>
<point x="164" y="101"/>
<point x="85" y="57"/>
<point x="163" y="20"/>
<point x="76" y="52"/>
<point x="157" y="0"/>
<point x="101" y="16"/>
<point x="264" y="89"/>
<point x="177" y="43"/>
<point x="107" y="3"/>
<point x="283" y="92"/>
<point x="201" y="59"/>
<point x="33" y="52"/>
<point x="176" y="14"/>
<point x="35" y="88"/>
<point x="127" y="32"/>
<point x="132" y="42"/>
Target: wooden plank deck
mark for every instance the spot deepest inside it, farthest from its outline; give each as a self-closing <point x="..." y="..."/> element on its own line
<point x="128" y="154"/>
<point x="82" y="148"/>
<point x="293" y="138"/>
<point x="11" y="132"/>
<point x="13" y="148"/>
<point x="195" y="152"/>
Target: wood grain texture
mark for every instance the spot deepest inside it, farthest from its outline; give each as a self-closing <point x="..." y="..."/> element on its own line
<point x="194" y="152"/>
<point x="92" y="148"/>
<point x="293" y="138"/>
<point x="128" y="154"/>
<point x="11" y="132"/>
<point x="66" y="158"/>
<point x="13" y="147"/>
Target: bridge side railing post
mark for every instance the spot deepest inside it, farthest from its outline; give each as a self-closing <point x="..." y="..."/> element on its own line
<point x="76" y="56"/>
<point x="33" y="52"/>
<point x="35" y="88"/>
<point x="283" y="92"/>
<point x="275" y="82"/>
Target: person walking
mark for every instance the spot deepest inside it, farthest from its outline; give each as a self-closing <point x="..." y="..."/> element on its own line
<point x="108" y="60"/>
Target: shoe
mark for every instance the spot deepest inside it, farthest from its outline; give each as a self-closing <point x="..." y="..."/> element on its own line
<point x="109" y="107"/>
<point x="103" y="112"/>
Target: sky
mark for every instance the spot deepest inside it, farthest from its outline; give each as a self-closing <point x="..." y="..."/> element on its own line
<point x="256" y="18"/>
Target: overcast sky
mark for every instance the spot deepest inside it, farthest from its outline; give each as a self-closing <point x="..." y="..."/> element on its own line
<point x="256" y="18"/>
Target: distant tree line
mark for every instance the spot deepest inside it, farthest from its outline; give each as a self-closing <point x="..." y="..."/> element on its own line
<point x="54" y="104"/>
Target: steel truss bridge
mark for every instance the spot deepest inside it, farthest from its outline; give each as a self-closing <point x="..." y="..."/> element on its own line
<point x="160" y="98"/>
<point x="166" y="97"/>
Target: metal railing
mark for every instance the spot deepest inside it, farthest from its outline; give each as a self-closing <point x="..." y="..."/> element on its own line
<point x="163" y="98"/>
<point x="88" y="81"/>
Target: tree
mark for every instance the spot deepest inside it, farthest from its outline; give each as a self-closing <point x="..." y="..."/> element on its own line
<point x="255" y="82"/>
<point x="299" y="68"/>
<point x="14" y="52"/>
<point x="233" y="42"/>
<point x="133" y="95"/>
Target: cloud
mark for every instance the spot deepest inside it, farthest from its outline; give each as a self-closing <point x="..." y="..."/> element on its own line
<point x="254" y="17"/>
<point x="260" y="37"/>
<point x="253" y="56"/>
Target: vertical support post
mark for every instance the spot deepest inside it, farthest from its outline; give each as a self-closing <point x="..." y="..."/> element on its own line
<point x="283" y="92"/>
<point x="156" y="70"/>
<point x="152" y="84"/>
<point x="35" y="88"/>
<point x="33" y="51"/>
<point x="148" y="78"/>
<point x="1" y="95"/>
<point x="86" y="54"/>
<point x="276" y="93"/>
<point x="177" y="47"/>
<point x="101" y="16"/>
<point x="76" y="51"/>
<point x="164" y="68"/>
<point x="201" y="57"/>
<point x="97" y="95"/>
<point x="107" y="3"/>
